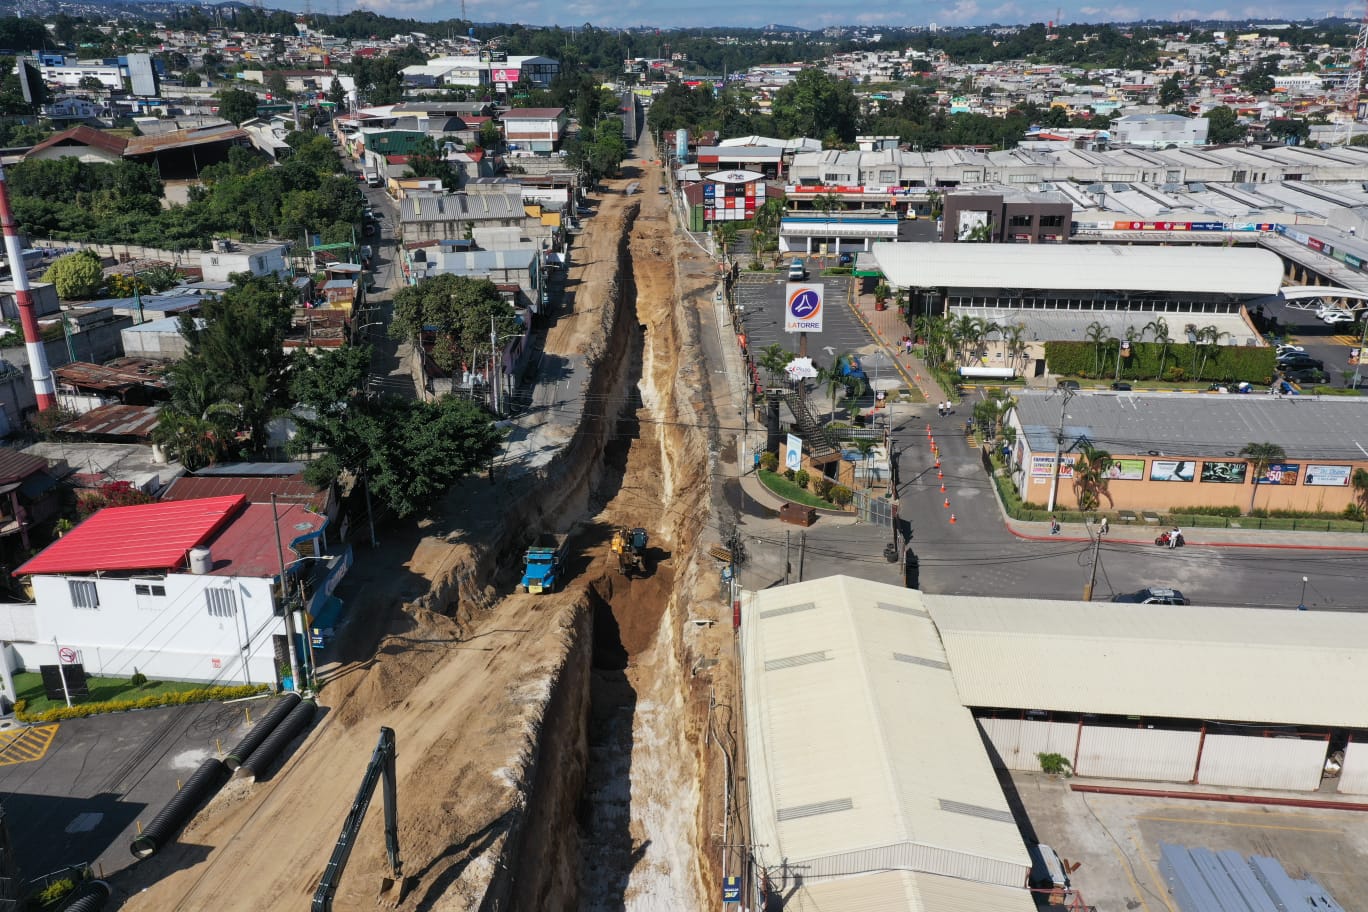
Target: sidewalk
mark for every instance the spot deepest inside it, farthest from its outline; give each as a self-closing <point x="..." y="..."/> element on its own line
<point x="887" y="327"/>
<point x="1141" y="533"/>
<point x="755" y="489"/>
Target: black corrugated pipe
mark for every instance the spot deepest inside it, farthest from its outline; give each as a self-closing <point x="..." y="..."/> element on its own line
<point x="279" y="710"/>
<point x="198" y="789"/>
<point x="89" y="897"/>
<point x="265" y="756"/>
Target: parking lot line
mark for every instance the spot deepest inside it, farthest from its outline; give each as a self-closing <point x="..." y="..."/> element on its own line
<point x="26" y="744"/>
<point x="1125" y="866"/>
<point x="1154" y="875"/>
<point x="1237" y="823"/>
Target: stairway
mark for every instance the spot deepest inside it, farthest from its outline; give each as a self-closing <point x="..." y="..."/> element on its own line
<point x="820" y="449"/>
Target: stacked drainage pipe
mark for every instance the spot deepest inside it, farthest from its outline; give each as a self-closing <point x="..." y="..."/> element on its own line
<point x="178" y="811"/>
<point x="89" y="897"/>
<point x="265" y="756"/>
<point x="264" y="727"/>
<point x="43" y="387"/>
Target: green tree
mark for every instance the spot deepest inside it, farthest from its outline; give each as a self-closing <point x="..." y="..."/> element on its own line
<point x="1258" y="79"/>
<point x="1360" y="483"/>
<point x="275" y="84"/>
<point x="1090" y="482"/>
<point x="237" y="105"/>
<point x="818" y="105"/>
<point x="1290" y="130"/>
<point x="191" y="80"/>
<point x="773" y="360"/>
<point x="1159" y="328"/>
<point x="456" y="307"/>
<point x="1171" y="91"/>
<point x="427" y="161"/>
<point x="1097" y="335"/>
<point x="78" y="276"/>
<point x="1223" y="126"/>
<point x="337" y="95"/>
<point x="1261" y="456"/>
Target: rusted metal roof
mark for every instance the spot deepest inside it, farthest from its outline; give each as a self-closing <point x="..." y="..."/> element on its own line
<point x="83" y="136"/>
<point x="136" y="421"/>
<point x="290" y="488"/>
<point x="183" y="139"/>
<point x="114" y="376"/>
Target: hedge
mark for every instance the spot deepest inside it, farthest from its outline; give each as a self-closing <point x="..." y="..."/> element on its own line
<point x="180" y="698"/>
<point x="1225" y="363"/>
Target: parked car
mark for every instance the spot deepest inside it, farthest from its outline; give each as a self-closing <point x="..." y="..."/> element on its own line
<point x="1285" y="348"/>
<point x="1121" y="386"/>
<point x="1068" y="385"/>
<point x="1312" y="375"/>
<point x="797" y="271"/>
<point x="661" y="190"/>
<point x="1154" y="595"/>
<point x="846" y="259"/>
<point x="1302" y="363"/>
<point x="1338" y="316"/>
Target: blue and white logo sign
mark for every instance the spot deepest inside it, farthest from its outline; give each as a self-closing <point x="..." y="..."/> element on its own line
<point x="802" y="307"/>
<point x="731" y="889"/>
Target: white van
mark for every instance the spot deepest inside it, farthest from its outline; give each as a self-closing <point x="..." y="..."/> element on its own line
<point x="797" y="271"/>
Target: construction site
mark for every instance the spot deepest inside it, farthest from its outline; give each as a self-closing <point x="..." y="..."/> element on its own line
<point x="552" y="748"/>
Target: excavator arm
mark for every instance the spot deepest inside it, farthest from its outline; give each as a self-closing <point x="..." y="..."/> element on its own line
<point x="381" y="766"/>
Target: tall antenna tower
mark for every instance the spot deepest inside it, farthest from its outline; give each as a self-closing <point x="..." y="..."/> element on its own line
<point x="1348" y="98"/>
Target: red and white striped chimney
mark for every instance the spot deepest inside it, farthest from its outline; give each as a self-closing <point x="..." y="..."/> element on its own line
<point x="23" y="298"/>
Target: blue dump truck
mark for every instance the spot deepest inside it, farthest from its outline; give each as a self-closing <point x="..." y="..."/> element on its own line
<point x="851" y="369"/>
<point x="544" y="563"/>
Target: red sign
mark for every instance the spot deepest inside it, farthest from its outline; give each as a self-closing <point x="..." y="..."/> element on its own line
<point x="67" y="655"/>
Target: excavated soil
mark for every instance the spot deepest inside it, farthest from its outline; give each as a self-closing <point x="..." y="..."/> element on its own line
<point x="551" y="748"/>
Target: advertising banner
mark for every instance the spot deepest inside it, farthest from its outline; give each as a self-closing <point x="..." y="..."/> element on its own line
<point x="1172" y="470"/>
<point x="1280" y="473"/>
<point x="793" y="452"/>
<point x="803" y="307"/>
<point x="1332" y="476"/>
<point x="1127" y="470"/>
<point x="1043" y="466"/>
<point x="1225" y="472"/>
<point x="504" y="74"/>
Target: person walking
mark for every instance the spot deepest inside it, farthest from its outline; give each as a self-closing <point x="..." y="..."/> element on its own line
<point x="1054" y="524"/>
<point x="1104" y="525"/>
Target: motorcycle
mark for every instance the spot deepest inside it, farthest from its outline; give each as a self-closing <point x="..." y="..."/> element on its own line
<point x="1164" y="537"/>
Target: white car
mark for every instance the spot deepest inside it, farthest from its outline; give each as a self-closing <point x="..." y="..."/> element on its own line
<point x="1285" y="349"/>
<point x="1337" y="316"/>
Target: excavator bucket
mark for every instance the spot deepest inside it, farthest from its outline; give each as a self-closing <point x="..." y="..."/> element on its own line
<point x="392" y="892"/>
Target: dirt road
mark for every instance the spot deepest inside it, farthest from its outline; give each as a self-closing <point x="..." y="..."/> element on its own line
<point x="500" y="723"/>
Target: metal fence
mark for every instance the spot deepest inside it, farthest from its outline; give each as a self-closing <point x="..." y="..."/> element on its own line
<point x="874" y="509"/>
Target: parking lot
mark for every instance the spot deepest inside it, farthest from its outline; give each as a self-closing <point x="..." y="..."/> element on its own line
<point x="761" y="297"/>
<point x="80" y="801"/>
<point x="1115" y="840"/>
<point x="1329" y="344"/>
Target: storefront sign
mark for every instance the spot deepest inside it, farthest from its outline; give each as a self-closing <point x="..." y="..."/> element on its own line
<point x="1043" y="466"/>
<point x="1334" y="476"/>
<point x="1127" y="470"/>
<point x="803" y="307"/>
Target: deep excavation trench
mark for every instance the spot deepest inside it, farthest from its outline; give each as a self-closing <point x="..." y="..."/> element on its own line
<point x="551" y="748"/>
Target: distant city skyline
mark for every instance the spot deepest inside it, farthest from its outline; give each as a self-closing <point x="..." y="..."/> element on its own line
<point x="809" y="14"/>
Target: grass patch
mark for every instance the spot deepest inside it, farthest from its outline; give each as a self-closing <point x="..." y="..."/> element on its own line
<point x="786" y="489"/>
<point x="29" y="686"/>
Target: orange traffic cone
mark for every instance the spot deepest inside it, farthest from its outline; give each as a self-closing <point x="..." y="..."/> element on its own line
<point x="938" y="460"/>
<point x="952" y="519"/>
<point x="942" y="487"/>
<point x="939" y="475"/>
<point x="947" y="503"/>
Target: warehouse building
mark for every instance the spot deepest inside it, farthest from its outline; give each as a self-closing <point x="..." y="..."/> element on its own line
<point x="1172" y="451"/>
<point x="875" y="716"/>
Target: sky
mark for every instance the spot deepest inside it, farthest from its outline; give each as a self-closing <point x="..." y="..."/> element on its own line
<point x="813" y="13"/>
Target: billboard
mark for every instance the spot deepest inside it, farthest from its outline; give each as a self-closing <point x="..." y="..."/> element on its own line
<point x="1225" y="472"/>
<point x="1127" y="470"/>
<point x="793" y="452"/>
<point x="142" y="78"/>
<point x="1279" y="473"/>
<point x="1043" y="466"/>
<point x="1334" y="476"/>
<point x="1172" y="470"/>
<point x="803" y="307"/>
<point x="969" y="221"/>
<point x="509" y="75"/>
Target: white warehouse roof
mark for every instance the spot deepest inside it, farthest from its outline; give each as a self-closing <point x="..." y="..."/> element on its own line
<point x="1230" y="664"/>
<point x="863" y="761"/>
<point x="1081" y="267"/>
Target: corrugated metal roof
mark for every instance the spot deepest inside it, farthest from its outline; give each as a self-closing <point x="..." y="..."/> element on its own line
<point x="905" y="891"/>
<point x="16" y="466"/>
<point x="182" y="139"/>
<point x="256" y="489"/>
<point x="1081" y="267"/>
<point x="144" y="537"/>
<point x="115" y="421"/>
<point x="1177" y="661"/>
<point x="859" y="760"/>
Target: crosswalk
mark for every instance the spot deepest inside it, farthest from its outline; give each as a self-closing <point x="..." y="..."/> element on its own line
<point x="1352" y="341"/>
<point x="24" y="745"/>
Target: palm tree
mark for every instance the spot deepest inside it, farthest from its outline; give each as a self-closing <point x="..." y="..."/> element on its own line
<point x="726" y="236"/>
<point x="774" y="359"/>
<point x="1160" y="329"/>
<point x="1013" y="338"/>
<point x="195" y="427"/>
<point x="1360" y="483"/>
<point x="1097" y="335"/>
<point x="827" y="203"/>
<point x="1261" y="456"/>
<point x="866" y="447"/>
<point x="832" y="379"/>
<point x="1133" y="336"/>
<point x="1208" y="339"/>
<point x="963" y="330"/>
<point x="1090" y="476"/>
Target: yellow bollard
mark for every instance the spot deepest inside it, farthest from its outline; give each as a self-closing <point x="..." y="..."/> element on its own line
<point x="178" y="782"/>
<point x="248" y="711"/>
<point x="218" y="744"/>
<point x="139" y="822"/>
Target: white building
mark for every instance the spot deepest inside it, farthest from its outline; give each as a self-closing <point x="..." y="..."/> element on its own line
<point x="1156" y="131"/>
<point x="534" y="129"/>
<point x="474" y="72"/>
<point x="185" y="590"/>
<point x="69" y="75"/>
<point x="229" y="257"/>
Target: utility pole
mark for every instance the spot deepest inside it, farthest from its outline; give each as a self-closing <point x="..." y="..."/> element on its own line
<point x="802" y="552"/>
<point x="493" y="366"/>
<point x="284" y="598"/>
<point x="1092" y="576"/>
<point x="1059" y="451"/>
<point x="788" y="541"/>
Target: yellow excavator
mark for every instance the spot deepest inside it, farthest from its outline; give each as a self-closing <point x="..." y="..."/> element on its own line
<point x="630" y="547"/>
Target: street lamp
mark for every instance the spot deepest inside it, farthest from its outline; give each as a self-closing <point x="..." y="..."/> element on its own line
<point x="1301" y="605"/>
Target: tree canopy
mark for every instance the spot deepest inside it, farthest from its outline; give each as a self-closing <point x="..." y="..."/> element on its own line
<point x="818" y="105"/>
<point x="458" y="310"/>
<point x="237" y="105"/>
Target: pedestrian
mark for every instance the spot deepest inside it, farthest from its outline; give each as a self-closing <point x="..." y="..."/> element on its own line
<point x="1054" y="524"/>
<point x="1175" y="536"/>
<point x="1104" y="525"/>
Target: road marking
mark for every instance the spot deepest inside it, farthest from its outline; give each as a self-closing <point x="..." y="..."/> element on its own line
<point x="1350" y="341"/>
<point x="1236" y="823"/>
<point x="1156" y="879"/>
<point x="27" y="744"/>
<point x="1125" y="866"/>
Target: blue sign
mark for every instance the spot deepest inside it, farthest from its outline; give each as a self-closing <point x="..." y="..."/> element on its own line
<point x="731" y="889"/>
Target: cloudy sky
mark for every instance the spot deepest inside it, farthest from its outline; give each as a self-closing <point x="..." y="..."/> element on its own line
<point x="812" y="13"/>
